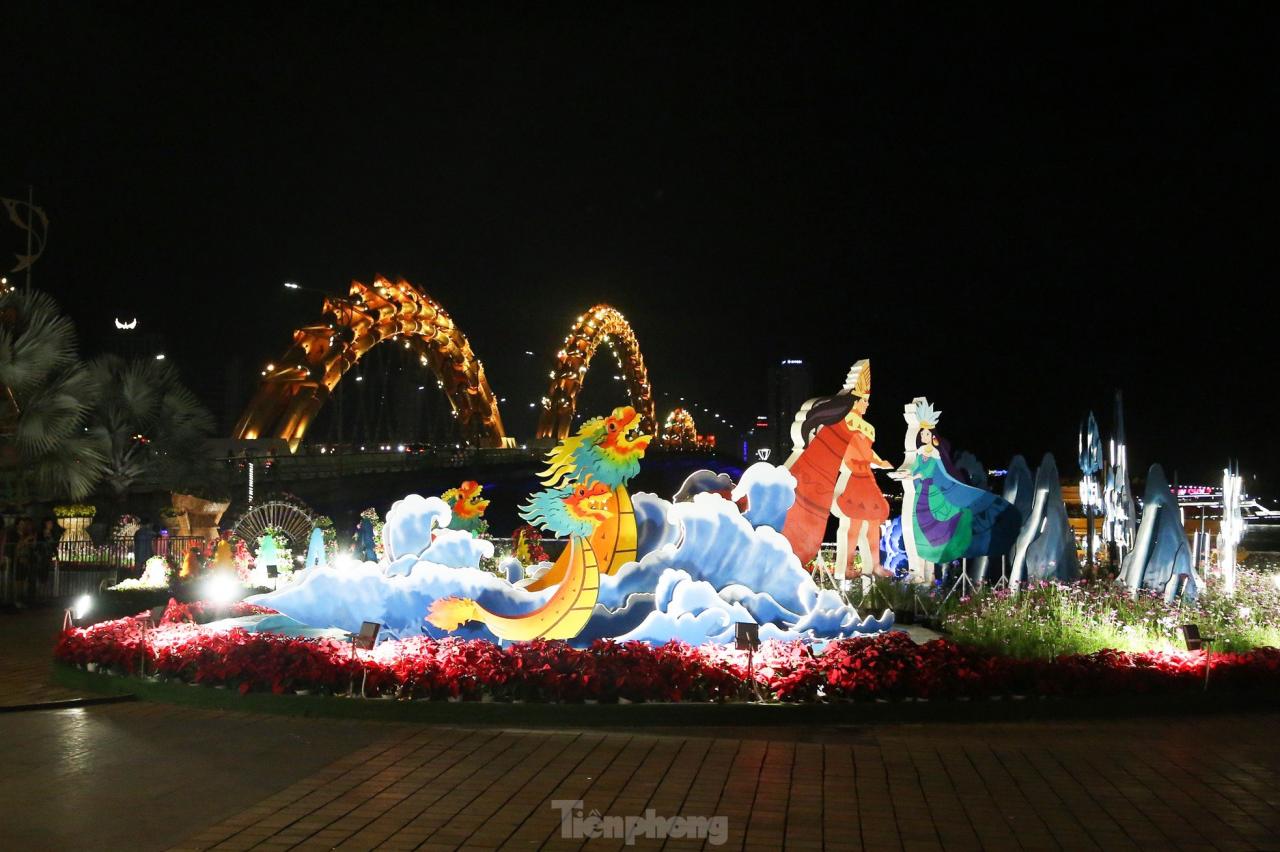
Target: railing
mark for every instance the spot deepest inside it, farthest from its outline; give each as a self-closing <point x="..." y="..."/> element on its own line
<point x="117" y="554"/>
<point x="309" y="463"/>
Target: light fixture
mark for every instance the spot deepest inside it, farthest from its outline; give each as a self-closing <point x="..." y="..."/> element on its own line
<point x="160" y="356"/>
<point x="291" y="285"/>
<point x="221" y="588"/>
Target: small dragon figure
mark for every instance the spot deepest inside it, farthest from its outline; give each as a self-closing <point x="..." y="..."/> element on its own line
<point x="468" y="507"/>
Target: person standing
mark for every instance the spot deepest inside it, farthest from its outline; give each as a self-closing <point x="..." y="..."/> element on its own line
<point x="24" y="561"/>
<point x="46" y="551"/>
<point x="144" y="544"/>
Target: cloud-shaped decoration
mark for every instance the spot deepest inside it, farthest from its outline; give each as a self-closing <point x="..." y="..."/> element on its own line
<point x="752" y="571"/>
<point x="708" y="625"/>
<point x="533" y="572"/>
<point x="719" y="545"/>
<point x="458" y="549"/>
<point x="607" y="623"/>
<point x="343" y="598"/>
<point x="410" y="523"/>
<point x="703" y="481"/>
<point x="831" y="617"/>
<point x="281" y="625"/>
<point x="653" y="529"/>
<point x="770" y="492"/>
<point x="708" y="569"/>
<point x="512" y="569"/>
<point x="763" y="608"/>
<point x="688" y="610"/>
<point x="691" y="611"/>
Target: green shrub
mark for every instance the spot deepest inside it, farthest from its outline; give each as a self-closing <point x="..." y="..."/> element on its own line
<point x="1048" y="619"/>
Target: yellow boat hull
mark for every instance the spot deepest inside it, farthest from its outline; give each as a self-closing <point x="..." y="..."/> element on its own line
<point x="614" y="542"/>
<point x="568" y="610"/>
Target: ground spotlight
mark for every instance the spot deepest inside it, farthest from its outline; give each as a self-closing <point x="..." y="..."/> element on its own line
<point x="77" y="611"/>
<point x="221" y="589"/>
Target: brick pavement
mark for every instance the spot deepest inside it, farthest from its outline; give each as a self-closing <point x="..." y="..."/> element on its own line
<point x="26" y="645"/>
<point x="149" y="776"/>
<point x="1196" y="784"/>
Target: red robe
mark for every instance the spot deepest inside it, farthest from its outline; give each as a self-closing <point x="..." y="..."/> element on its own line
<point x="816" y="472"/>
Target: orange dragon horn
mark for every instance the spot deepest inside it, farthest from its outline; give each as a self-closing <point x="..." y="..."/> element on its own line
<point x="451" y="613"/>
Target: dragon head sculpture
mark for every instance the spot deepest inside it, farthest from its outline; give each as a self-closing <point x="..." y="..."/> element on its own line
<point x="606" y="449"/>
<point x="574" y="508"/>
<point x="466" y="500"/>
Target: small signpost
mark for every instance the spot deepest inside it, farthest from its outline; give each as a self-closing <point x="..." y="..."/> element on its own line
<point x="1196" y="642"/>
<point x="747" y="638"/>
<point x="368" y="635"/>
<point x="364" y="640"/>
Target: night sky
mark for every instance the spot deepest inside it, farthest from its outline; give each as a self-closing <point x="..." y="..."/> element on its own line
<point x="1011" y="216"/>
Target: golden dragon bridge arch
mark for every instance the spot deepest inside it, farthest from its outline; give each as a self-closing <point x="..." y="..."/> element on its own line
<point x="296" y="387"/>
<point x="600" y="325"/>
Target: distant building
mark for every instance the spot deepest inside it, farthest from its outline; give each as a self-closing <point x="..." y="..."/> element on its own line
<point x="790" y="386"/>
<point x="757" y="445"/>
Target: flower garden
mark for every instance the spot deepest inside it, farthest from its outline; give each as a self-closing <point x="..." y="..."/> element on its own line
<point x="647" y="597"/>
<point x="1071" y="641"/>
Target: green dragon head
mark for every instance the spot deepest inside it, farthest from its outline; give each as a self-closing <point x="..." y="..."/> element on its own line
<point x="571" y="509"/>
<point x="606" y="449"/>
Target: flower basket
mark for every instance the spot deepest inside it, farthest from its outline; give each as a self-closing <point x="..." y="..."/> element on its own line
<point x="75" y="528"/>
<point x="202" y="516"/>
<point x="176" y="521"/>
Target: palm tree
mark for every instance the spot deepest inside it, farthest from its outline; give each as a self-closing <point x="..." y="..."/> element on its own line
<point x="48" y="450"/>
<point x="155" y="425"/>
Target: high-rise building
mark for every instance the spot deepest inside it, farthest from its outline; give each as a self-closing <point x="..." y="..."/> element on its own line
<point x="789" y="388"/>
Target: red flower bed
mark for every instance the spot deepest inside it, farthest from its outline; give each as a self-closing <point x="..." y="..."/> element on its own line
<point x="890" y="666"/>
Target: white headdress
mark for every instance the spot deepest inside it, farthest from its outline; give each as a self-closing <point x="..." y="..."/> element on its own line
<point x="926" y="415"/>
<point x="858" y="382"/>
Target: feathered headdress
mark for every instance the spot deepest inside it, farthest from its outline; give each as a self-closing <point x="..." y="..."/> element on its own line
<point x="926" y="415"/>
<point x="858" y="382"/>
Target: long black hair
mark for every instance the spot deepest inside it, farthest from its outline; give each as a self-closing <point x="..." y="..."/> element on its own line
<point x="824" y="411"/>
<point x="943" y="446"/>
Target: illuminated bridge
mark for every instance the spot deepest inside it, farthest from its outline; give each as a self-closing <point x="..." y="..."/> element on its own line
<point x="296" y="387"/>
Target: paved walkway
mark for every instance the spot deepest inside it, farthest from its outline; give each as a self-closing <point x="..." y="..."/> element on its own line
<point x="149" y="776"/>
